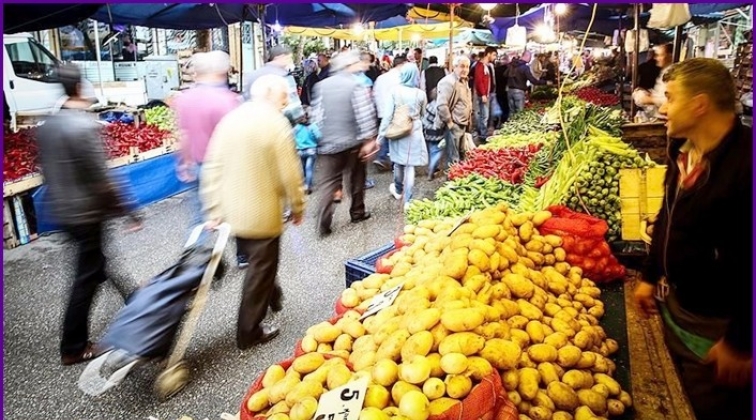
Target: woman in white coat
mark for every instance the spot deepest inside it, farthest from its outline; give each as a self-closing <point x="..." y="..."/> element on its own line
<point x="410" y="151"/>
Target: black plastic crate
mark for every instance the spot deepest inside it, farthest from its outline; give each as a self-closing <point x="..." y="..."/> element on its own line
<point x="358" y="268"/>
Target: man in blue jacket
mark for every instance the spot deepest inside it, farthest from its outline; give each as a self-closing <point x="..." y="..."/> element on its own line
<point x="698" y="273"/>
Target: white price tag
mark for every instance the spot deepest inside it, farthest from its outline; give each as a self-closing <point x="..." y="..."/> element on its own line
<point x="381" y="301"/>
<point x="343" y="403"/>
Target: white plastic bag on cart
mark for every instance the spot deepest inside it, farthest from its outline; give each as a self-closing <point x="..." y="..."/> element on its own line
<point x="668" y="15"/>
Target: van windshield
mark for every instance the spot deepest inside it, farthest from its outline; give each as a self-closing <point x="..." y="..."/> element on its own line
<point x="32" y="61"/>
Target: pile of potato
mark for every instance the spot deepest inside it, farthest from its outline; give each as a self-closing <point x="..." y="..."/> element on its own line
<point x="493" y="298"/>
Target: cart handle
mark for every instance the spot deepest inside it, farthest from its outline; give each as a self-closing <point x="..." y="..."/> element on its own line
<point x="224" y="229"/>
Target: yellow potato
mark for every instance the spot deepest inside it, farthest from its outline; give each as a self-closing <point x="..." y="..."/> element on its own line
<point x="529" y="311"/>
<point x="435" y="362"/>
<point x="458" y="386"/>
<point x="442" y="405"/>
<point x="303" y="390"/>
<point x="528" y="383"/>
<point x="549" y="373"/>
<point x="344" y="342"/>
<point x="308" y="362"/>
<point x="434" y="388"/>
<point x="556" y="340"/>
<point x="385" y="372"/>
<point x="365" y="360"/>
<point x="337" y="376"/>
<point x="502" y="354"/>
<point x="320" y="374"/>
<point x="478" y="368"/>
<point x="614" y="387"/>
<point x="568" y="356"/>
<point x="273" y="375"/>
<point x="624" y="397"/>
<point x="419" y="344"/>
<point x="416" y="372"/>
<point x="370" y="413"/>
<point x="259" y="401"/>
<point x="615" y="407"/>
<point x="510" y="379"/>
<point x="479" y="259"/>
<point x="392" y="347"/>
<point x="593" y="400"/>
<point x="519" y="337"/>
<point x="601" y="389"/>
<point x="464" y="342"/>
<point x="454" y="363"/>
<point x="324" y="348"/>
<point x="280" y="390"/>
<point x="483" y="232"/>
<point x="578" y="379"/>
<point x="400" y="389"/>
<point x="561" y="415"/>
<point x="377" y="396"/>
<point x="587" y="360"/>
<point x="542" y="400"/>
<point x="424" y="320"/>
<point x="541" y="353"/>
<point x="540" y="413"/>
<point x="461" y="320"/>
<point x="304" y="409"/>
<point x="279" y="410"/>
<point x="455" y="267"/>
<point x="526" y="231"/>
<point x="518" y="322"/>
<point x="353" y="327"/>
<point x="439" y="334"/>
<point x="519" y="286"/>
<point x="540" y="217"/>
<point x="515" y="397"/>
<point x="564" y="397"/>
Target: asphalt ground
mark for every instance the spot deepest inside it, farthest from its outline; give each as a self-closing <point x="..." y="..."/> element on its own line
<point x="37" y="277"/>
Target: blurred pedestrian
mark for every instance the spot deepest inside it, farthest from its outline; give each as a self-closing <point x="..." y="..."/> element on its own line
<point x="408" y="151"/>
<point x="81" y="196"/>
<point x="345" y="115"/>
<point x="307" y="136"/>
<point x="280" y="63"/>
<point x="252" y="171"/>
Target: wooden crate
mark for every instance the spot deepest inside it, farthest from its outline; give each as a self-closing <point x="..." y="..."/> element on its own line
<point x="10" y="240"/>
<point x="22" y="185"/>
<point x="648" y="138"/>
<point x="641" y="195"/>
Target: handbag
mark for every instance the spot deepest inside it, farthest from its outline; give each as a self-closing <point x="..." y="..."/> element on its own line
<point x="401" y="123"/>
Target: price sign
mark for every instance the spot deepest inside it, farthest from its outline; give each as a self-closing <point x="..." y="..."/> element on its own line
<point x="381" y="301"/>
<point x="343" y="403"/>
<point x="461" y="222"/>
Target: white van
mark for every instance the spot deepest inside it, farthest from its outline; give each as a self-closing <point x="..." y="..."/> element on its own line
<point x="29" y="85"/>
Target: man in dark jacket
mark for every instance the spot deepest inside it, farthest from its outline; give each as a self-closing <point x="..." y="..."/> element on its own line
<point x="431" y="76"/>
<point x="519" y="76"/>
<point x="81" y="197"/>
<point x="699" y="267"/>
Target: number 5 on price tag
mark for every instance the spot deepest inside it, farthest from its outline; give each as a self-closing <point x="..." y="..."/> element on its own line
<point x="343" y="403"/>
<point x="384" y="300"/>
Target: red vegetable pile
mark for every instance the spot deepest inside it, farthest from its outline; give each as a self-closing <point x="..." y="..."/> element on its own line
<point x="509" y="164"/>
<point x="19" y="154"/>
<point x="597" y="96"/>
<point x="120" y="138"/>
<point x="583" y="240"/>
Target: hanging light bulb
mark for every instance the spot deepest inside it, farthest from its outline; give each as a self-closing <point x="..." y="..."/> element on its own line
<point x="560" y="9"/>
<point x="357" y="28"/>
<point x="487" y="6"/>
<point x="277" y="27"/>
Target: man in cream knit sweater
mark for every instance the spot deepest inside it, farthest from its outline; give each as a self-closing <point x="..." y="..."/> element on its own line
<point x="250" y="173"/>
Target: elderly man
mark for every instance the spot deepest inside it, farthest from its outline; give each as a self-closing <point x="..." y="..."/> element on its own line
<point x="252" y="171"/>
<point x="198" y="111"/>
<point x="698" y="275"/>
<point x="344" y="112"/>
<point x="455" y="107"/>
<point x="280" y="63"/>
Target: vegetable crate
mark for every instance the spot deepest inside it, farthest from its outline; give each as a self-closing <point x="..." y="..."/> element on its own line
<point x="358" y="268"/>
<point x="641" y="195"/>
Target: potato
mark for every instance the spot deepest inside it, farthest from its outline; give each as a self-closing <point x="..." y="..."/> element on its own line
<point x="303" y="390"/>
<point x="458" y="386"/>
<point x="584" y="413"/>
<point x="483" y="232"/>
<point x="564" y="397"/>
<point x="464" y="342"/>
<point x="364" y="343"/>
<point x="518" y="322"/>
<point x="578" y="379"/>
<point x="455" y="267"/>
<point x="377" y="396"/>
<point x="559" y="325"/>
<point x="556" y="340"/>
<point x="353" y="328"/>
<point x="540" y="413"/>
<point x="320" y="374"/>
<point x="454" y="363"/>
<point x="535" y="331"/>
<point x="400" y="389"/>
<point x="519" y="337"/>
<point x="519" y="286"/>
<point x="549" y="373"/>
<point x="370" y="413"/>
<point x="615" y="407"/>
<point x="528" y="383"/>
<point x="385" y="372"/>
<point x="568" y="356"/>
<point x="308" y="362"/>
<point x="362" y="361"/>
<point x="309" y="344"/>
<point x="614" y="387"/>
<point x="583" y="340"/>
<point x="279" y="409"/>
<point x="525" y="362"/>
<point x="625" y="398"/>
<point x="561" y="415"/>
<point x="510" y="379"/>
<point x="542" y="400"/>
<point x="273" y="375"/>
<point x="526" y="231"/>
<point x="304" y="409"/>
<point x="280" y="390"/>
<point x="541" y="353"/>
<point x="337" y="376"/>
<point x="502" y="354"/>
<point x="392" y="347"/>
<point x="324" y="348"/>
<point x="587" y="360"/>
<point x="593" y="400"/>
<point x="478" y="368"/>
<point x="540" y="217"/>
<point x="344" y="342"/>
<point x="515" y="397"/>
<point x="419" y="344"/>
<point x="414" y="406"/>
<point x="259" y="401"/>
<point x="415" y="372"/>
<point x="601" y="389"/>
<point x="441" y="405"/>
<point x="529" y="311"/>
<point x="461" y="320"/>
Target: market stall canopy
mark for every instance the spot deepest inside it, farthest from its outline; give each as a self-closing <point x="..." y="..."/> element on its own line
<point x="19" y="17"/>
<point x="475" y="37"/>
<point x="404" y="33"/>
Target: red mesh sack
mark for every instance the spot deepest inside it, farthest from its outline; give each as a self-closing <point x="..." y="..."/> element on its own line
<point x="244" y="413"/>
<point x="583" y="241"/>
<point x="340" y="309"/>
<point x="298" y="347"/>
<point x="383" y="266"/>
<point x="487" y="401"/>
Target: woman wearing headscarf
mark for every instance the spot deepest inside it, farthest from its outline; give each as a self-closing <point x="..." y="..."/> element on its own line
<point x="311" y="78"/>
<point x="409" y="151"/>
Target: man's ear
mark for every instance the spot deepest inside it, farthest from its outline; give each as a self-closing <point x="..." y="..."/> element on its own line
<point x="700" y="104"/>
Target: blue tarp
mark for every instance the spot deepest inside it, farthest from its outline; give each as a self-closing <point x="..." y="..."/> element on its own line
<point x="478" y="37"/>
<point x="188" y="16"/>
<point x="149" y="181"/>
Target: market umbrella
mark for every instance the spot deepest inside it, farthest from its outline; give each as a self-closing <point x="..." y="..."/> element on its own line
<point x="19" y="17"/>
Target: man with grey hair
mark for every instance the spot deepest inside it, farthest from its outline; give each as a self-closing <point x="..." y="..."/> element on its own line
<point x="455" y="107"/>
<point x="345" y="114"/>
<point x="252" y="172"/>
<point x="280" y="63"/>
<point x="198" y="110"/>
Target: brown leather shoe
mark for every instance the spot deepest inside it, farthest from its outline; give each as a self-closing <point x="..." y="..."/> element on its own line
<point x="89" y="353"/>
<point x="267" y="334"/>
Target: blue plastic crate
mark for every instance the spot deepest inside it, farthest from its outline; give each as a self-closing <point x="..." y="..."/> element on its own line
<point x="358" y="268"/>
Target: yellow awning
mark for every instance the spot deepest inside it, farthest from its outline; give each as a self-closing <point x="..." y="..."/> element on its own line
<point x="405" y="33"/>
